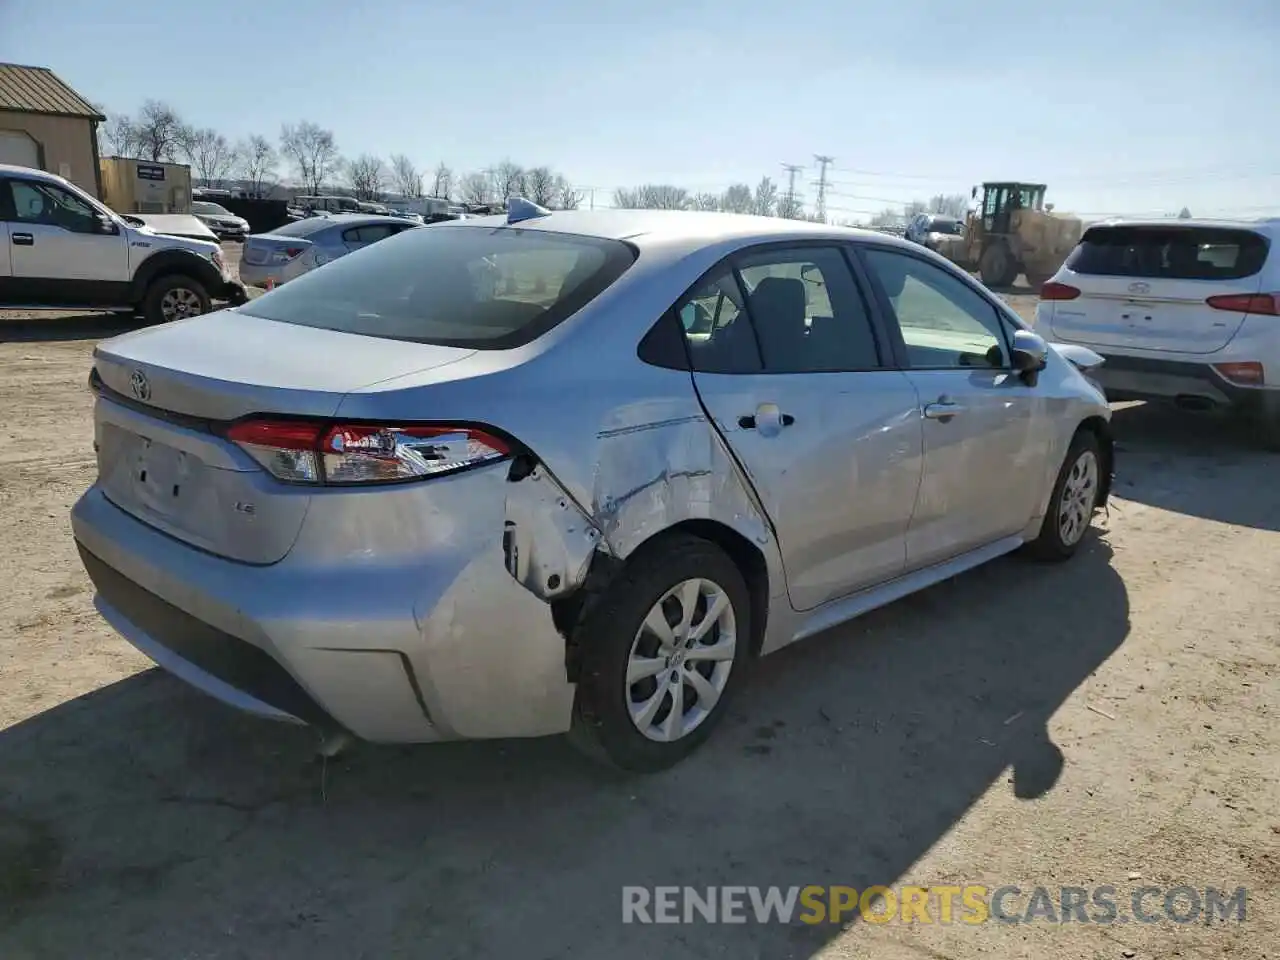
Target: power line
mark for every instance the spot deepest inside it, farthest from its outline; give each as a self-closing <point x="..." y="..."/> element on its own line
<point x="821" y="183"/>
<point x="790" y="196"/>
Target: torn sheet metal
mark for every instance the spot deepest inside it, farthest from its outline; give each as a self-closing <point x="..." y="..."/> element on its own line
<point x="652" y="476"/>
<point x="548" y="541"/>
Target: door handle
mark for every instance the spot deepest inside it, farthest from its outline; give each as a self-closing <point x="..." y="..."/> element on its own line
<point x="23" y="239"/>
<point x="942" y="409"/>
<point x="749" y="422"/>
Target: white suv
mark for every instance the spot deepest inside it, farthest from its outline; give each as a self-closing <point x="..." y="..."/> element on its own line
<point x="1186" y="311"/>
<point x="61" y="249"/>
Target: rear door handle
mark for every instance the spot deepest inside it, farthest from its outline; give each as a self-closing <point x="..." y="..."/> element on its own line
<point x="23" y="239"/>
<point x="942" y="409"/>
<point x="749" y="422"/>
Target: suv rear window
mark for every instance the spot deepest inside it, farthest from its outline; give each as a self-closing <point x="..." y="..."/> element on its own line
<point x="944" y="225"/>
<point x="475" y="287"/>
<point x="1169" y="253"/>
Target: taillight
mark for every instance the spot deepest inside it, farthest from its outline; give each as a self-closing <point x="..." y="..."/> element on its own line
<point x="1246" y="373"/>
<point x="1058" y="291"/>
<point x="1267" y="304"/>
<point x="285" y="254"/>
<point x="307" y="452"/>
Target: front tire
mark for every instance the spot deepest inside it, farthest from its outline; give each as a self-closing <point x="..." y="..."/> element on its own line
<point x="663" y="650"/>
<point x="175" y="297"/>
<point x="997" y="266"/>
<point x="1073" y="501"/>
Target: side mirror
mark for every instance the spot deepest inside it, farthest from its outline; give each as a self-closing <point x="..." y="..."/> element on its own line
<point x="1030" y="352"/>
<point x="973" y="194"/>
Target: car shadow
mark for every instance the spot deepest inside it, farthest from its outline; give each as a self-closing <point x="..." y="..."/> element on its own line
<point x="145" y="820"/>
<point x="1208" y="465"/>
<point x="37" y="328"/>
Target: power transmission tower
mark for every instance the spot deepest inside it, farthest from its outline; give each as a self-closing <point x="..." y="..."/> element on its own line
<point x="821" y="184"/>
<point x="789" y="199"/>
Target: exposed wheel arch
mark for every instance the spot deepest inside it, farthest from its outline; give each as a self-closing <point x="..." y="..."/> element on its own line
<point x="569" y="611"/>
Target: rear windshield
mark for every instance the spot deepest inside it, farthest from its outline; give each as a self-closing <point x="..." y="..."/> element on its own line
<point x="1169" y="253"/>
<point x="452" y="286"/>
<point x="302" y="228"/>
<point x="945" y="226"/>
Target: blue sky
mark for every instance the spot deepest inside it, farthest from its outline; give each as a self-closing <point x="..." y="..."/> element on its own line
<point x="1121" y="106"/>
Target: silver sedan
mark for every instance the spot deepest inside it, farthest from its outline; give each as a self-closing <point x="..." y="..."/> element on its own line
<point x="272" y="258"/>
<point x="570" y="472"/>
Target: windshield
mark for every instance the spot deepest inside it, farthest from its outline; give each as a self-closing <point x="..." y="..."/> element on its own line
<point x="201" y="206"/>
<point x="452" y="286"/>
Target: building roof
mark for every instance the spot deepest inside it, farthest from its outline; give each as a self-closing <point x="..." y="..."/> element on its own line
<point x="38" y="90"/>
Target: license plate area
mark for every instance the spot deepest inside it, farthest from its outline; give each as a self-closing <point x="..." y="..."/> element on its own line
<point x="159" y="474"/>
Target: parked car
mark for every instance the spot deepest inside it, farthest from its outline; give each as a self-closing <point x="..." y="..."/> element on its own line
<point x="931" y="229"/>
<point x="293" y="249"/>
<point x="61" y="249"/>
<point x="400" y="501"/>
<point x="1184" y="311"/>
<point x="225" y="224"/>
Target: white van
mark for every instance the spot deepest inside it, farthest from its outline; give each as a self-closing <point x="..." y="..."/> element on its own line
<point x="1186" y="311"/>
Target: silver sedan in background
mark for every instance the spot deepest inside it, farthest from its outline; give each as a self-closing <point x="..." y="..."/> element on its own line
<point x="570" y="472"/>
<point x="295" y="248"/>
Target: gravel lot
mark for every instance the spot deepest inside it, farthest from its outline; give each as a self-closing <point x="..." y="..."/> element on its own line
<point x="1111" y="721"/>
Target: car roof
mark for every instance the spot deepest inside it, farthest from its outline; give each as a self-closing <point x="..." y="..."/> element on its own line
<point x="30" y="172"/>
<point x="1267" y="226"/>
<point x="692" y="228"/>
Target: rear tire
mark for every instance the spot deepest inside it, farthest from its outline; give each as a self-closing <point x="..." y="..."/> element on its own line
<point x="174" y="296"/>
<point x="1073" y="501"/>
<point x="997" y="266"/>
<point x="694" y="589"/>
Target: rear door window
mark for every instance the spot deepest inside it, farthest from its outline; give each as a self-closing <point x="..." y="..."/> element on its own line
<point x="369" y="233"/>
<point x="453" y="286"/>
<point x="1169" y="253"/>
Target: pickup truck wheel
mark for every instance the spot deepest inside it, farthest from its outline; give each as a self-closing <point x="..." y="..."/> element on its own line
<point x="175" y="297"/>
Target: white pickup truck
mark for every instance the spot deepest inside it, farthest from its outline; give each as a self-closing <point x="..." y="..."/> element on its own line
<point x="60" y="249"/>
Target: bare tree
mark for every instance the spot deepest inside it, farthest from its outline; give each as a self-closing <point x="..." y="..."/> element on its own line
<point x="541" y="186"/>
<point x="405" y="176"/>
<point x="705" y="201"/>
<point x="443" y="185"/>
<point x="790" y="207"/>
<point x="257" y="162"/>
<point x="367" y="176"/>
<point x="949" y="205"/>
<point x="313" y="152"/>
<point x="508" y="180"/>
<point x="737" y="199"/>
<point x="567" y="196"/>
<point x="1184" y="214"/>
<point x="120" y="134"/>
<point x="765" y="201"/>
<point x="159" y="131"/>
<point x="652" y="196"/>
<point x="476" y="188"/>
<point x="210" y="155"/>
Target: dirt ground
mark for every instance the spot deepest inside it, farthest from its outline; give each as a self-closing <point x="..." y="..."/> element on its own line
<point x="1110" y="721"/>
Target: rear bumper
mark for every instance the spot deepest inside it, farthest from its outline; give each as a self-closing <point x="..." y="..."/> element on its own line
<point x="1145" y="378"/>
<point x="401" y="648"/>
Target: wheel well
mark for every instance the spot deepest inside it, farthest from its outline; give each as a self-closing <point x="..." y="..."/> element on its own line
<point x="1101" y="429"/>
<point x="750" y="562"/>
<point x="567" y="612"/>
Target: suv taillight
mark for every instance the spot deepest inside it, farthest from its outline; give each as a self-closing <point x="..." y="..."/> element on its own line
<point x="353" y="453"/>
<point x="1058" y="291"/>
<point x="1267" y="304"/>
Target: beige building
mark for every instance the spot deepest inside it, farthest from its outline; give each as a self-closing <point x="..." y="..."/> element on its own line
<point x="46" y="124"/>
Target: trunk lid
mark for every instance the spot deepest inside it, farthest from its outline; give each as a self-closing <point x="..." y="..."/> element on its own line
<point x="265" y="249"/>
<point x="1147" y="287"/>
<point x="161" y="457"/>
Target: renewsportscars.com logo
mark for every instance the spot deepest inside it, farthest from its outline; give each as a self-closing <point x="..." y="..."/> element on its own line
<point x="971" y="904"/>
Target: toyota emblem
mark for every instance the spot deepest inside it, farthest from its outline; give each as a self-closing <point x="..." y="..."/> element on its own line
<point x="1139" y="287"/>
<point x="139" y="386"/>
